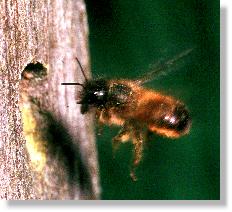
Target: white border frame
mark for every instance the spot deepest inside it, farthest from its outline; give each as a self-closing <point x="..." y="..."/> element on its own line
<point x="225" y="204"/>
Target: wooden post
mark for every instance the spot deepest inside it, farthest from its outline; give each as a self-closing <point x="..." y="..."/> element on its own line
<point x="47" y="148"/>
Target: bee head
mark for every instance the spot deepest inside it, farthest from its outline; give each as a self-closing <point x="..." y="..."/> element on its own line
<point x="95" y="93"/>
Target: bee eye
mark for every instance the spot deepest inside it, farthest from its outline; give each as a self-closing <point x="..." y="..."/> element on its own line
<point x="99" y="93"/>
<point x="98" y="97"/>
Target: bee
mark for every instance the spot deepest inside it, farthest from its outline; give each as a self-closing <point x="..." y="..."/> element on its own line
<point x="137" y="110"/>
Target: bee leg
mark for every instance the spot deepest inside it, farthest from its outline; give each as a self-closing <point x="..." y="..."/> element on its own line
<point x="102" y="116"/>
<point x="149" y="135"/>
<point x="137" y="139"/>
<point x="99" y="128"/>
<point x="122" y="137"/>
<point x="105" y="115"/>
<point x="98" y="122"/>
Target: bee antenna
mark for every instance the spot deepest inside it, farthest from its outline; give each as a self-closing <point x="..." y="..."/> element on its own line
<point x="82" y="70"/>
<point x="72" y="83"/>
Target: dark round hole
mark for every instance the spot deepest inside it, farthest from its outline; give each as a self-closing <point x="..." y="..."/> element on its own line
<point x="34" y="70"/>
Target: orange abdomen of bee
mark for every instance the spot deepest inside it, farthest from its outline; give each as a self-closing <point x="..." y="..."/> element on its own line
<point x="162" y="114"/>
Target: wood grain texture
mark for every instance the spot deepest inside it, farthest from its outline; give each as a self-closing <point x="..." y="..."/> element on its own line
<point x="52" y="33"/>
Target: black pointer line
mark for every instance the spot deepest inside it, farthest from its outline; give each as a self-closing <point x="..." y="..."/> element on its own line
<point x="71" y="83"/>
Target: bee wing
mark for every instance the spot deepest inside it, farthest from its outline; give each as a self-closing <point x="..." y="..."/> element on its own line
<point x="162" y="67"/>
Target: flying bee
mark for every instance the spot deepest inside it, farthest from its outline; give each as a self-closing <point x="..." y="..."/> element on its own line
<point x="136" y="109"/>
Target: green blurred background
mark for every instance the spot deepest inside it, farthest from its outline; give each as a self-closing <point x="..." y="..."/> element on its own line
<point x="125" y="38"/>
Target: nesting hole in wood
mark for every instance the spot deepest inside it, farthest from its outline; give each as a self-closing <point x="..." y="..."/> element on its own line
<point x="34" y="70"/>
